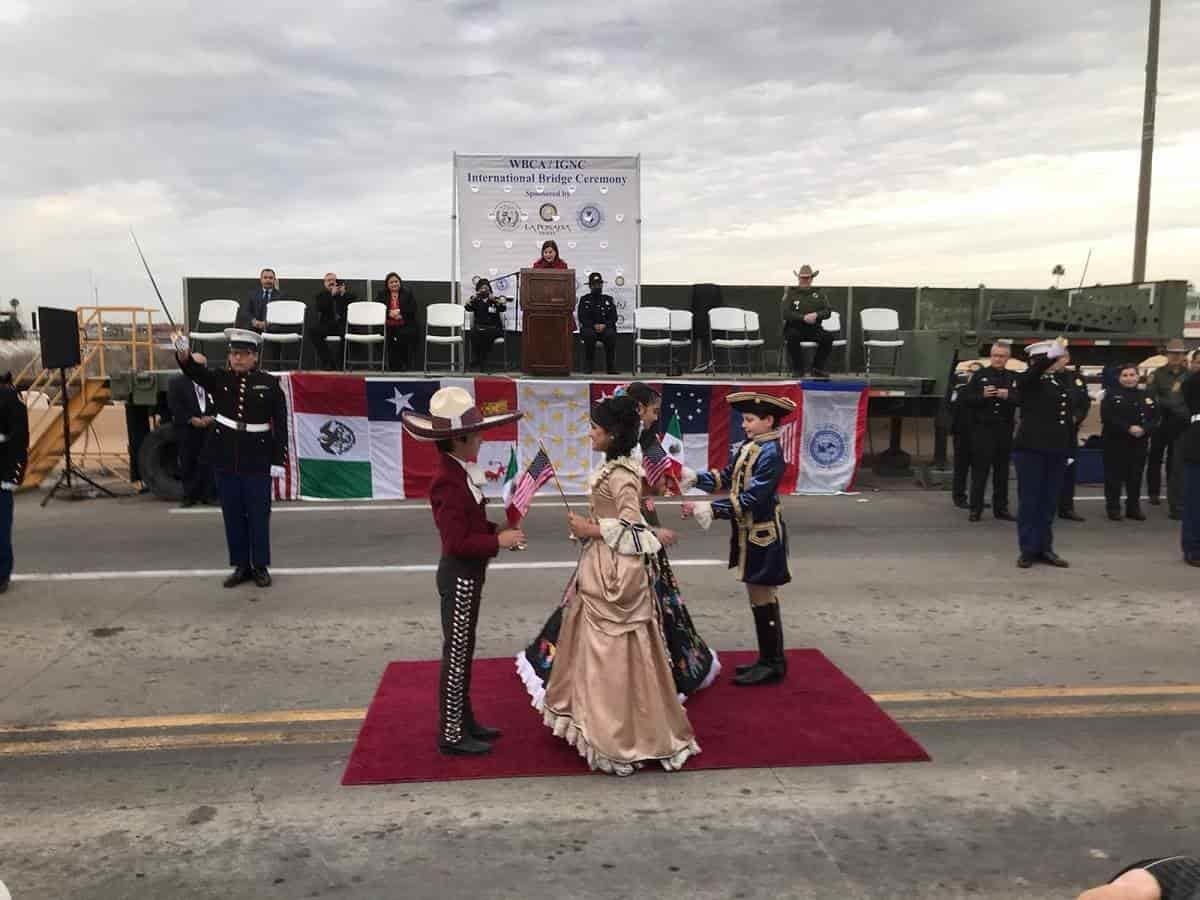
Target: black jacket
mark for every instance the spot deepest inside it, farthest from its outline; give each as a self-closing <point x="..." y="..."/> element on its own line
<point x="254" y="398"/>
<point x="1122" y="408"/>
<point x="408" y="306"/>
<point x="596" y="310"/>
<point x="255" y="307"/>
<point x="183" y="402"/>
<point x="1077" y="394"/>
<point x="14" y="426"/>
<point x="1191" y="437"/>
<point x="1047" y="423"/>
<point x="488" y="311"/>
<point x="991" y="410"/>
<point x="798" y="302"/>
<point x="329" y="310"/>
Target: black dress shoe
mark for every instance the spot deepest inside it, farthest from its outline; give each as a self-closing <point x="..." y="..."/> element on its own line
<point x="484" y="733"/>
<point x="238" y="576"/>
<point x="765" y="672"/>
<point x="1053" y="559"/>
<point x="4" y="583"/>
<point x="820" y="373"/>
<point x="1115" y="515"/>
<point x="187" y="503"/>
<point x="1155" y="501"/>
<point x="468" y="746"/>
<point x="1193" y="562"/>
<point x="1136" y="514"/>
<point x="1005" y="516"/>
<point x="1071" y="516"/>
<point x="961" y="503"/>
<point x="974" y="516"/>
<point x="1024" y="562"/>
<point x="746" y="667"/>
<point x="262" y="577"/>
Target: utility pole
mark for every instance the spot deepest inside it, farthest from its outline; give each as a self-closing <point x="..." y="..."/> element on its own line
<point x="1143" y="207"/>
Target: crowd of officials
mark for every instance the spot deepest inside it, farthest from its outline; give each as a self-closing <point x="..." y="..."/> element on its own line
<point x="1157" y="423"/>
<point x="596" y="317"/>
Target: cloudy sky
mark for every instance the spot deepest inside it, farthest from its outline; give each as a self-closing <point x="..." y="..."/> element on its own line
<point x="932" y="141"/>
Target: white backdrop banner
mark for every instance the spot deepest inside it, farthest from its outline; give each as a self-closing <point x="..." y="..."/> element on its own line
<point x="591" y="206"/>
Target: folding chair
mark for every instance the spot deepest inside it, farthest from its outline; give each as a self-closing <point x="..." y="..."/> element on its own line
<point x="214" y="317"/>
<point x="652" y="325"/>
<point x="452" y="318"/>
<point x="285" y="327"/>
<point x="879" y="320"/>
<point x="370" y="319"/>
<point x="681" y="336"/>
<point x="730" y="323"/>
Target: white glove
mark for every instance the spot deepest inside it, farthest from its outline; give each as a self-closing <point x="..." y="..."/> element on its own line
<point x="8" y="486"/>
<point x="1056" y="351"/>
<point x="703" y="514"/>
<point x="278" y="471"/>
<point x="687" y="478"/>
<point x="181" y="343"/>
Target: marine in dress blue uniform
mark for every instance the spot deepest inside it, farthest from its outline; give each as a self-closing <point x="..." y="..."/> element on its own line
<point x="246" y="447"/>
<point x="758" y="545"/>
<point x="1081" y="402"/>
<point x="1042" y="445"/>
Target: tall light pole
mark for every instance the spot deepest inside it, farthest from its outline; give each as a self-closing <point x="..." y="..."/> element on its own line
<point x="1143" y="207"/>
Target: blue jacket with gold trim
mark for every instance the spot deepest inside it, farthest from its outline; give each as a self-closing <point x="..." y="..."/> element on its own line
<point x="758" y="543"/>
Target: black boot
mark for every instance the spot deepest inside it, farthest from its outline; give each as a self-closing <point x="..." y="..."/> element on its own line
<point x="476" y="729"/>
<point x="466" y="746"/>
<point x="239" y="575"/>
<point x="772" y="665"/>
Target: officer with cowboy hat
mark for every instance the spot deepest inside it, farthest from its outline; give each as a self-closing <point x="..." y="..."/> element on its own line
<point x="804" y="309"/>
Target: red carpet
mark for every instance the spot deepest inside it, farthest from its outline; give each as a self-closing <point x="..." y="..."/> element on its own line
<point x="816" y="717"/>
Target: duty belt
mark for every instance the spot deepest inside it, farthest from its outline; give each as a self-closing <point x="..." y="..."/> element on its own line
<point x="242" y="426"/>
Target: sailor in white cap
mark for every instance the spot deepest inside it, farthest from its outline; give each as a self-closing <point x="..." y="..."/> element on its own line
<point x="246" y="448"/>
<point x="1041" y="448"/>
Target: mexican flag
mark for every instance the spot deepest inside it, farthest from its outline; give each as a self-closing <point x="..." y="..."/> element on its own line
<point x="672" y="441"/>
<point x="510" y="481"/>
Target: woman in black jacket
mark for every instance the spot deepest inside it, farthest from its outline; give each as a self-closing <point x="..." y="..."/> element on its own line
<point x="400" y="323"/>
<point x="1128" y="416"/>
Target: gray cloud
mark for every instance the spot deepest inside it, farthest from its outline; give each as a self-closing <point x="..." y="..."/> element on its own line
<point x="934" y="141"/>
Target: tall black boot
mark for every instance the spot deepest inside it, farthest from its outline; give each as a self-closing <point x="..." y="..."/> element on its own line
<point x="772" y="665"/>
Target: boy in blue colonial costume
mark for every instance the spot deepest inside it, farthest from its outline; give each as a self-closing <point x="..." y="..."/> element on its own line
<point x="758" y="546"/>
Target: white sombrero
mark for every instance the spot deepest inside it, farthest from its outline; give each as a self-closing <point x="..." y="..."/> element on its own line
<point x="453" y="413"/>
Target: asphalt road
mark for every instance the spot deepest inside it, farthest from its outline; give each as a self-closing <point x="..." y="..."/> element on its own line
<point x="163" y="737"/>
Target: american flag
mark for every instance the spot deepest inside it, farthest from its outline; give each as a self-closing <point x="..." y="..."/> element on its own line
<point x="519" y="493"/>
<point x="787" y="442"/>
<point x="656" y="463"/>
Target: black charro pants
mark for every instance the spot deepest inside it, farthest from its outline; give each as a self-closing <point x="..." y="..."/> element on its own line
<point x="460" y="585"/>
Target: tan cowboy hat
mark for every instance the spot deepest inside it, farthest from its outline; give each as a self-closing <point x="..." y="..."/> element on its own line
<point x="1176" y="345"/>
<point x="807" y="271"/>
<point x="453" y="413"/>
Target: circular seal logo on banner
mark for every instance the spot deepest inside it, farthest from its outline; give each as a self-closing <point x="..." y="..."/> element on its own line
<point x="619" y="281"/>
<point x="827" y="447"/>
<point x="508" y="216"/>
<point x="336" y="438"/>
<point x="591" y="217"/>
<point x="548" y="212"/>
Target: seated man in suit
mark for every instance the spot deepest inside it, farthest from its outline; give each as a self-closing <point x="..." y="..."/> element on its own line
<point x="190" y="413"/>
<point x="597" y="315"/>
<point x="329" y="320"/>
<point x="253" y="312"/>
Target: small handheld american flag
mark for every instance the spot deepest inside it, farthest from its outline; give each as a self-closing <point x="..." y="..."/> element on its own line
<point x="519" y="494"/>
<point x="656" y="463"/>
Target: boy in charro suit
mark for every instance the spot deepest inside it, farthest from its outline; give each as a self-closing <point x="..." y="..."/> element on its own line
<point x="469" y="540"/>
<point x="758" y="546"/>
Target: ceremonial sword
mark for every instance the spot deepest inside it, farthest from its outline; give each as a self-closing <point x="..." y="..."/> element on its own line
<point x="153" y="283"/>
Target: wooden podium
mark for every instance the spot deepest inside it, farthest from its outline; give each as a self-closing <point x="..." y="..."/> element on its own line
<point x="547" y="321"/>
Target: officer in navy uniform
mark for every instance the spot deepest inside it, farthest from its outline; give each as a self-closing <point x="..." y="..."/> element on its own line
<point x="1042" y="445"/>
<point x="1081" y="402"/>
<point x="960" y="428"/>
<point x="991" y="395"/>
<point x="246" y="447"/>
<point x="14" y="453"/>
<point x="597" y="317"/>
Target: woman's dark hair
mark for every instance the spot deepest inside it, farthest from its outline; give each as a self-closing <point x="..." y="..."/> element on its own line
<point x="389" y="276"/>
<point x="619" y="417"/>
<point x="644" y="395"/>
<point x="553" y="244"/>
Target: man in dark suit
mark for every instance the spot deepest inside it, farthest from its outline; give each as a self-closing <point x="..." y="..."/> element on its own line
<point x="253" y="312"/>
<point x="190" y="413"/>
<point x="14" y="450"/>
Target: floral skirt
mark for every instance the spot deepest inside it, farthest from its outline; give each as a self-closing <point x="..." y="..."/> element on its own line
<point x="694" y="664"/>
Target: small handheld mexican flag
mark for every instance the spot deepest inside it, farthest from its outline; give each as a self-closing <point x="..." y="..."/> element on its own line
<point x="672" y="442"/>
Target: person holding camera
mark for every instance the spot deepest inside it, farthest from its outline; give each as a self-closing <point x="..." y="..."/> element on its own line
<point x="487" y="322"/>
<point x="329" y="319"/>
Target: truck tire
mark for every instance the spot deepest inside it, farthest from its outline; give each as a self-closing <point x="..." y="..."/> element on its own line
<point x="159" y="463"/>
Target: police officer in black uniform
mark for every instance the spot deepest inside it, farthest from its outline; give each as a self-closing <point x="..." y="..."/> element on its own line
<point x="960" y="429"/>
<point x="597" y="316"/>
<point x="246" y="447"/>
<point x="804" y="309"/>
<point x="14" y="452"/>
<point x="487" y="322"/>
<point x="991" y="395"/>
<point x="1129" y="416"/>
<point x="1080" y="402"/>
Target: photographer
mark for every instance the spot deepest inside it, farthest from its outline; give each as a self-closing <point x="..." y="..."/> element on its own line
<point x="488" y="321"/>
<point x="329" y="311"/>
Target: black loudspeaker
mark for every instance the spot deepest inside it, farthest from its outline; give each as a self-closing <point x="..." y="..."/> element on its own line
<point x="59" y="336"/>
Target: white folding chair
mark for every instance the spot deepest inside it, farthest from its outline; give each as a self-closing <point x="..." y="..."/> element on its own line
<point x="369" y="319"/>
<point x="730" y="323"/>
<point x="880" y="321"/>
<point x="285" y="326"/>
<point x="212" y="320"/>
<point x="681" y="334"/>
<point x="833" y="325"/>
<point x="450" y="317"/>
<point x="754" y="340"/>
<point x="652" y="326"/>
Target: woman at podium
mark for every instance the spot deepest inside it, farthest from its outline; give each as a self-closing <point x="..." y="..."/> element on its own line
<point x="550" y="258"/>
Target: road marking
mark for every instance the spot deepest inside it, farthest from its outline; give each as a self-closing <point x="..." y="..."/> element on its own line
<point x="123" y="574"/>
<point x="318" y="507"/>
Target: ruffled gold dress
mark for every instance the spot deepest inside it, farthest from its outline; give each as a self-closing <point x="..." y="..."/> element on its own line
<point x="612" y="695"/>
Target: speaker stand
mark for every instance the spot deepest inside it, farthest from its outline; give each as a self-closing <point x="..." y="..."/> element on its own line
<point x="69" y="471"/>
